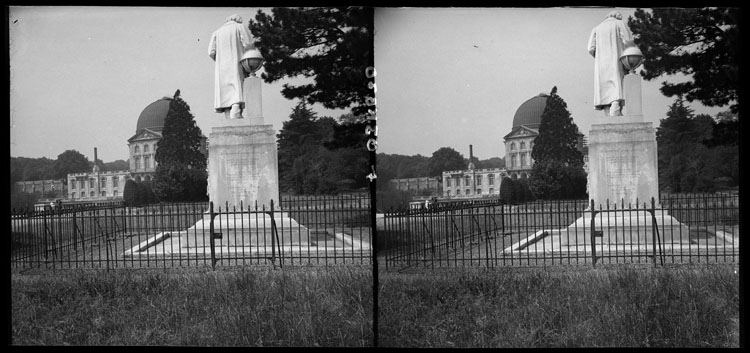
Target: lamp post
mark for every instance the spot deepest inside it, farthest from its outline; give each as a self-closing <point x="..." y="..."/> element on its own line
<point x="251" y="61"/>
<point x="631" y="59"/>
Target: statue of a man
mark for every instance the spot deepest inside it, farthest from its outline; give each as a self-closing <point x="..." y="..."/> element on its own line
<point x="226" y="47"/>
<point x="606" y="43"/>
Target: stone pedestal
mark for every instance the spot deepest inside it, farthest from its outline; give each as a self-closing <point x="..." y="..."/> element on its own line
<point x="242" y="165"/>
<point x="253" y="100"/>
<point x="622" y="161"/>
<point x="626" y="227"/>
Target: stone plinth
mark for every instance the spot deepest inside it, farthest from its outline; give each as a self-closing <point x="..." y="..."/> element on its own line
<point x="253" y="100"/>
<point x="626" y="227"/>
<point x="242" y="165"/>
<point x="243" y="229"/>
<point x="631" y="91"/>
<point x="622" y="161"/>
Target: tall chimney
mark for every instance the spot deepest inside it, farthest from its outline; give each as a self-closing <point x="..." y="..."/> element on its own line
<point x="95" y="155"/>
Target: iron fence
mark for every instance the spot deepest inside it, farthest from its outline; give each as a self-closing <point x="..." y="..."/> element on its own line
<point x="303" y="231"/>
<point x="678" y="229"/>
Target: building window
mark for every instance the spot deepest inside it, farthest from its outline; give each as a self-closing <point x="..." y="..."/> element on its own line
<point x="137" y="162"/>
<point x="91" y="184"/>
<point x="479" y="180"/>
<point x="467" y="181"/>
<point x="492" y="191"/>
<point x="479" y="191"/>
<point x="514" y="161"/>
<point x="145" y="148"/>
<point x="468" y="192"/>
<point x="448" y="193"/>
<point x="114" y="193"/>
<point x="448" y="182"/>
<point x="458" y="191"/>
<point x="104" y="182"/>
<point x="114" y="182"/>
<point x="81" y="183"/>
<point x="491" y="180"/>
<point x="512" y="146"/>
<point x="83" y="194"/>
<point x="147" y="162"/>
<point x="73" y="185"/>
<point x="523" y="145"/>
<point x="92" y="194"/>
<point x="104" y="193"/>
<point x="136" y="149"/>
<point x="523" y="159"/>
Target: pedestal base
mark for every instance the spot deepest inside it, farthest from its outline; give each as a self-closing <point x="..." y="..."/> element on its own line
<point x="628" y="227"/>
<point x="622" y="162"/>
<point x="242" y="165"/>
<point x="245" y="229"/>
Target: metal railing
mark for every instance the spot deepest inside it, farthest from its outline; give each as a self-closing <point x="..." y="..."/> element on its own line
<point x="678" y="229"/>
<point x="308" y="230"/>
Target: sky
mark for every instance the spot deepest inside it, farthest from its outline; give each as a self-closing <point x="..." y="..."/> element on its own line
<point x="81" y="76"/>
<point x="455" y="77"/>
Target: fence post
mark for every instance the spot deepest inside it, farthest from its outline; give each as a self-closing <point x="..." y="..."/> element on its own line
<point x="211" y="234"/>
<point x="593" y="234"/>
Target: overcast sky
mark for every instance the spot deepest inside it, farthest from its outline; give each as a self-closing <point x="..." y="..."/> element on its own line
<point x="80" y="76"/>
<point x="454" y="77"/>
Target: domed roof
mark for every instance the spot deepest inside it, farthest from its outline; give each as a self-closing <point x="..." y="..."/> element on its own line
<point x="152" y="117"/>
<point x="530" y="112"/>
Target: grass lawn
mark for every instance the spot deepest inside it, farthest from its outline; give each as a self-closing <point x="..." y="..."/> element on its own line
<point x="194" y="307"/>
<point x="617" y="306"/>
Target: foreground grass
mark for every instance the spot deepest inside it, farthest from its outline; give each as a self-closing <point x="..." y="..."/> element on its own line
<point x="643" y="307"/>
<point x="303" y="307"/>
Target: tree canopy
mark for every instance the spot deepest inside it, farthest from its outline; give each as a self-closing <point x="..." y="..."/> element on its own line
<point x="71" y="161"/>
<point x="333" y="46"/>
<point x="181" y="166"/>
<point x="445" y="158"/>
<point x="702" y="44"/>
<point x="695" y="152"/>
<point x="320" y="155"/>
<point x="557" y="172"/>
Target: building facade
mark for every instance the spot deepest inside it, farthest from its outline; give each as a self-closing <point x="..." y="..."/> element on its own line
<point x="46" y="189"/>
<point x="419" y="186"/>
<point x="97" y="186"/>
<point x="148" y="131"/>
<point x="519" y="142"/>
<point x="472" y="183"/>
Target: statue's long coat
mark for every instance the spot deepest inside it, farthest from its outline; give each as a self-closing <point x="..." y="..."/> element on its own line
<point x="227" y="45"/>
<point x="606" y="44"/>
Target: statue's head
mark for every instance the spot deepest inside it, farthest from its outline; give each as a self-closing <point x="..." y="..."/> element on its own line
<point x="615" y="14"/>
<point x="234" y="17"/>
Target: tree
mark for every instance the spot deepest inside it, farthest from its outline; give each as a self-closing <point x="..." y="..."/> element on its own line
<point x="331" y="45"/>
<point x="116" y="166"/>
<point x="299" y="141"/>
<point x="508" y="190"/>
<point x="181" y="137"/>
<point x="691" y="157"/>
<point x="558" y="134"/>
<point x="396" y="166"/>
<point x="522" y="191"/>
<point x="70" y="161"/>
<point x="445" y="158"/>
<point x="130" y="193"/>
<point x="557" y="172"/>
<point x="181" y="166"/>
<point x="700" y="43"/>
